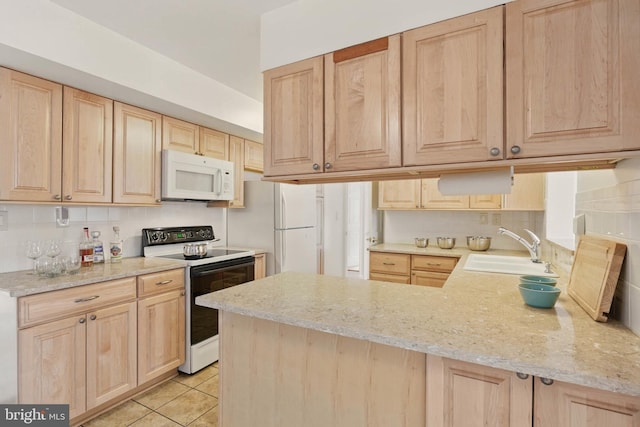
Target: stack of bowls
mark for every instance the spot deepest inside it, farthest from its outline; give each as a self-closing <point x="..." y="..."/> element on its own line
<point x="539" y="291"/>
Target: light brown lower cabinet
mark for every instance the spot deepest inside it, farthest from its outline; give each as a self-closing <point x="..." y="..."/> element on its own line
<point x="422" y="270"/>
<point x="260" y="269"/>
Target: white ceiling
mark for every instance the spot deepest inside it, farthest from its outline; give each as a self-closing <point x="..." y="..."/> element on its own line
<point x="218" y="38"/>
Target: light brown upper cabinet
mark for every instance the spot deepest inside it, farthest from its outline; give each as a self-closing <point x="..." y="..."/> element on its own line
<point x="253" y="156"/>
<point x="87" y="160"/>
<point x="572" y="77"/>
<point x="180" y="135"/>
<point x="137" y="147"/>
<point x="214" y="143"/>
<point x="452" y="77"/>
<point x="362" y="106"/>
<point x="30" y="138"/>
<point x="293" y="118"/>
<point x="236" y="155"/>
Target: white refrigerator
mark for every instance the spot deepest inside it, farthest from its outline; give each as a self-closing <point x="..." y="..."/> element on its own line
<point x="281" y="219"/>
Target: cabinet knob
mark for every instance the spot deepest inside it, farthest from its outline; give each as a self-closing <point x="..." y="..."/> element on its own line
<point x="68" y="197"/>
<point x="82" y="320"/>
<point x="92" y="317"/>
<point x="546" y="381"/>
<point x="515" y="149"/>
<point x="495" y="151"/>
<point x="522" y="376"/>
<point x="327" y="165"/>
<point x="158" y="201"/>
<point x="316" y="166"/>
<point x="182" y="293"/>
<point x="57" y="197"/>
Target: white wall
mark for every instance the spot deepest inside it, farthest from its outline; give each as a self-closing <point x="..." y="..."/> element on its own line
<point x="309" y="28"/>
<point x="47" y="40"/>
<point x="610" y="200"/>
<point x="37" y="222"/>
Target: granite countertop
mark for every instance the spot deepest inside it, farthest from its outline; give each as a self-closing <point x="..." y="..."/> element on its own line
<point x="21" y="283"/>
<point x="476" y="317"/>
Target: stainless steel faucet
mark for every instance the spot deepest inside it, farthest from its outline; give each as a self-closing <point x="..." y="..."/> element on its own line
<point x="533" y="247"/>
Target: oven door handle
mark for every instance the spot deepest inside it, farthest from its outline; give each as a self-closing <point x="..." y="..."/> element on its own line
<point x="206" y="272"/>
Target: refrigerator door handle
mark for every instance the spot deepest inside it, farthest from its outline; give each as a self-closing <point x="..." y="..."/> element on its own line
<point x="283" y="211"/>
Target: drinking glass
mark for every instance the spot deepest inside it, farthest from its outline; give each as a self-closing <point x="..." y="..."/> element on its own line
<point x="33" y="251"/>
<point x="53" y="248"/>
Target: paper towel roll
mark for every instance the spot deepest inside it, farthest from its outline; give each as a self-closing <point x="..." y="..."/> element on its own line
<point x="491" y="182"/>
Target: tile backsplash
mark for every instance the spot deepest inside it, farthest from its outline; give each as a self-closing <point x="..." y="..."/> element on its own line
<point x="38" y="222"/>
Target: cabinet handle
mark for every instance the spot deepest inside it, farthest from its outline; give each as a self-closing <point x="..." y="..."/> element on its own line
<point x="164" y="282"/>
<point x="495" y="151"/>
<point x="182" y="293"/>
<point x="327" y="165"/>
<point x="87" y="298"/>
<point x="57" y="197"/>
<point x="434" y="264"/>
<point x="92" y="317"/>
<point x="522" y="376"/>
<point x="158" y="201"/>
<point x="546" y="381"/>
<point x="515" y="149"/>
<point x="316" y="166"/>
<point x="82" y="320"/>
<point x="68" y="197"/>
<point x="389" y="263"/>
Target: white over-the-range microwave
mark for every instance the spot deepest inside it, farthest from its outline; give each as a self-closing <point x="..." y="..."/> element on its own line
<point x="192" y="177"/>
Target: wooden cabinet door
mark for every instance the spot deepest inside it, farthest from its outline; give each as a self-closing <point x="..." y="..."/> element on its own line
<point x="260" y="269"/>
<point x="390" y="263"/>
<point x="30" y="138"/>
<point x="452" y="77"/>
<point x="253" y="156"/>
<point x="394" y="278"/>
<point x="432" y="199"/>
<point x="562" y="404"/>
<point x="180" y="135"/>
<point x="400" y="194"/>
<point x="236" y="155"/>
<point x="293" y="118"/>
<point x="485" y="201"/>
<point x="571" y="77"/>
<point x="214" y="143"/>
<point x="52" y="364"/>
<point x="362" y="106"/>
<point x="161" y="334"/>
<point x="136" y="155"/>
<point x="87" y="160"/>
<point x="527" y="193"/>
<point x="111" y="353"/>
<point x="429" y="278"/>
<point x="466" y="394"/>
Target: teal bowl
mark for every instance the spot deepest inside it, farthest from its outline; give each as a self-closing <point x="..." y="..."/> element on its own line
<point x="539" y="295"/>
<point x="541" y="280"/>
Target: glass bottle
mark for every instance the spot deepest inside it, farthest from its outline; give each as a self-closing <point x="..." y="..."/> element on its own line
<point x="115" y="246"/>
<point x="86" y="250"/>
<point x="98" y="248"/>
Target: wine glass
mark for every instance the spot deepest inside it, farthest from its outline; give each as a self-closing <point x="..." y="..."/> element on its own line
<point x="53" y="248"/>
<point x="33" y="251"/>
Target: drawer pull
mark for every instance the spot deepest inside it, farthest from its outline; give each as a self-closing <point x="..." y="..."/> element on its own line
<point x="87" y="299"/>
<point x="164" y="282"/>
<point x="434" y="264"/>
<point x="389" y="263"/>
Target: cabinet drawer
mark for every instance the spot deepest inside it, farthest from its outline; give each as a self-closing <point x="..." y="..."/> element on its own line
<point x="429" y="278"/>
<point x="433" y="263"/>
<point x="56" y="304"/>
<point x="395" y="278"/>
<point x="383" y="262"/>
<point x="162" y="281"/>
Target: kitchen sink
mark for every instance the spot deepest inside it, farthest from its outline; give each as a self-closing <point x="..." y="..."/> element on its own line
<point x="505" y="264"/>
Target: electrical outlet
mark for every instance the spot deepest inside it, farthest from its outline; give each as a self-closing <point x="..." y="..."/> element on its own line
<point x="496" y="219"/>
<point x="4" y="220"/>
<point x="484" y="218"/>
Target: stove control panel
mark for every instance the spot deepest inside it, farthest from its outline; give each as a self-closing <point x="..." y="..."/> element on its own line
<point x="168" y="235"/>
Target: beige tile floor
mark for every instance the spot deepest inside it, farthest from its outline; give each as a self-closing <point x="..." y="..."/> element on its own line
<point x="186" y="400"/>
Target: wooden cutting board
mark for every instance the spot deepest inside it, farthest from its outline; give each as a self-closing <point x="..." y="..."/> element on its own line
<point x="594" y="275"/>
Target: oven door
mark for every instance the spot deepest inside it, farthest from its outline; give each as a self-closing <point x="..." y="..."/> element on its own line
<point x="210" y="278"/>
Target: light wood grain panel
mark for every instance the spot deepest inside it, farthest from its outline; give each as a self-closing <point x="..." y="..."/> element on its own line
<point x="214" y="143"/>
<point x="260" y="269"/>
<point x="433" y="263"/>
<point x="236" y="155"/>
<point x="394" y="278"/>
<point x="293" y="118"/>
<point x="400" y="194"/>
<point x="389" y="263"/>
<point x="485" y="201"/>
<point x="432" y="199"/>
<point x="466" y="394"/>
<point x="452" y="90"/>
<point x="38" y="308"/>
<point x="111" y="353"/>
<point x="163" y="281"/>
<point x="52" y="364"/>
<point x="276" y="375"/>
<point x="562" y="404"/>
<point x="161" y="334"/>
<point x="180" y="135"/>
<point x="136" y="155"/>
<point x="570" y="85"/>
<point x="87" y="161"/>
<point x="253" y="156"/>
<point x="527" y="193"/>
<point x="30" y="138"/>
<point x="362" y="110"/>
<point x="428" y="278"/>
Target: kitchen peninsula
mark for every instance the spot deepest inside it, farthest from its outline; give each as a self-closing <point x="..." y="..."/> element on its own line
<point x="304" y="349"/>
